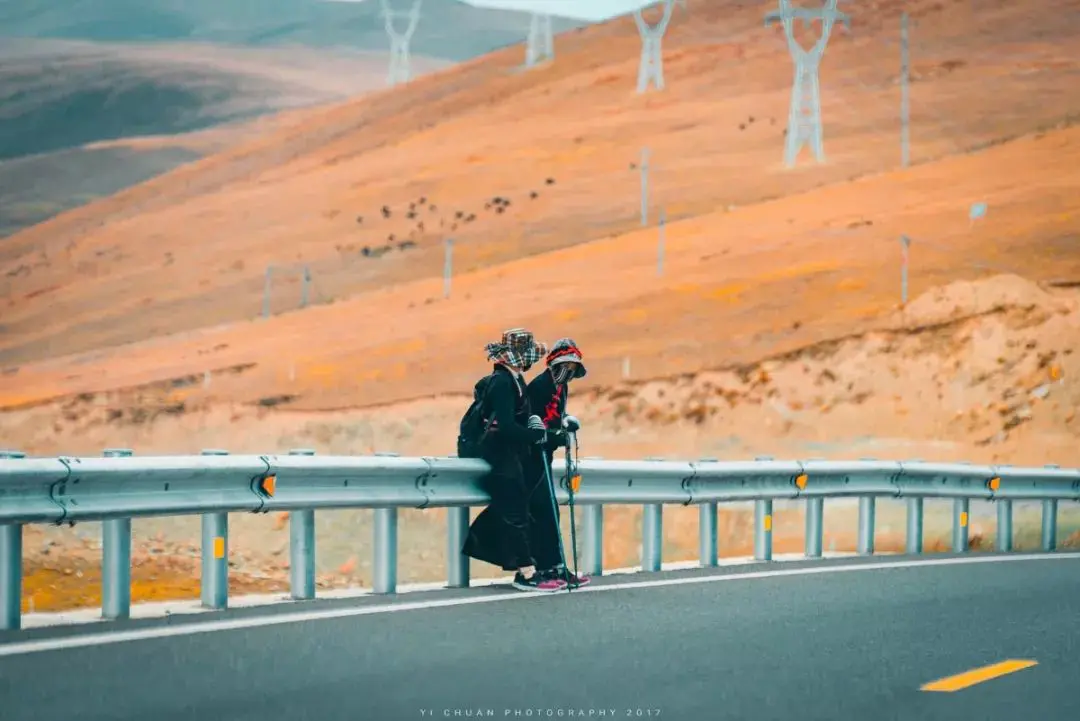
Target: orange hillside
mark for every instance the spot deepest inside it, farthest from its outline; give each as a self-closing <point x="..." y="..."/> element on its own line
<point x="756" y="256"/>
<point x="736" y="285"/>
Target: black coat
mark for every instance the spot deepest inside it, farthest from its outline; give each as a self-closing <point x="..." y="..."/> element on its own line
<point x="548" y="400"/>
<point x="499" y="534"/>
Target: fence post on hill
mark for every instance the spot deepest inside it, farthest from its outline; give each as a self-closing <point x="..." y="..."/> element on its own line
<point x="116" y="559"/>
<point x="905" y="103"/>
<point x="644" y="187"/>
<point x="905" y="254"/>
<point x="660" y="245"/>
<point x="305" y="283"/>
<point x="302" y="547"/>
<point x="448" y="266"/>
<point x="266" y="291"/>
<point x="11" y="537"/>
<point x="215" y="554"/>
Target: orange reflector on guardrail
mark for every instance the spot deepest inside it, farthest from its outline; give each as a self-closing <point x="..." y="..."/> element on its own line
<point x="994" y="483"/>
<point x="575" y="483"/>
<point x="800" y="481"/>
<point x="267" y="485"/>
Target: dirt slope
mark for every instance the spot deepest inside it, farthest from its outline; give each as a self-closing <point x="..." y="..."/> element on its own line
<point x="190" y="250"/>
<point x="737" y="286"/>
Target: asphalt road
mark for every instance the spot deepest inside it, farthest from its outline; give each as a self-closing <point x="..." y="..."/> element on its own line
<point x="801" y="646"/>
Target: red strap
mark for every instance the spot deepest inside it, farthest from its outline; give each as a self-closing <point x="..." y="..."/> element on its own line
<point x="571" y="350"/>
<point x="551" y="411"/>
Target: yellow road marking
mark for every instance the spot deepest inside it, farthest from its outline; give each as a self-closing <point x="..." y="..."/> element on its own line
<point x="977" y="675"/>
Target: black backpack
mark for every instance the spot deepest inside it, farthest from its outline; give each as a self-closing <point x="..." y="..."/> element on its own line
<point x="472" y="430"/>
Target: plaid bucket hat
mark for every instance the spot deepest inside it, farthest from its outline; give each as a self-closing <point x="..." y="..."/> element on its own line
<point x="565" y="350"/>
<point x="518" y="348"/>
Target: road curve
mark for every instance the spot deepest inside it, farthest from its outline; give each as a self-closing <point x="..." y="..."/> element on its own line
<point x="852" y="639"/>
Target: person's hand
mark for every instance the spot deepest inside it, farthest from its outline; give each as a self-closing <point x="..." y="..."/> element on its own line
<point x="539" y="429"/>
<point x="556" y="439"/>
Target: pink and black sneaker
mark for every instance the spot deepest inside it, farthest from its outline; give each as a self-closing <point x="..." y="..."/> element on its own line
<point x="566" y="576"/>
<point x="538" y="583"/>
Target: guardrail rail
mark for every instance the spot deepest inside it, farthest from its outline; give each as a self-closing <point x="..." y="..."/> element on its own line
<point x="119" y="486"/>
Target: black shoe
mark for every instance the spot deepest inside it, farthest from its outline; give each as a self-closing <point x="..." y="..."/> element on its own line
<point x="538" y="583"/>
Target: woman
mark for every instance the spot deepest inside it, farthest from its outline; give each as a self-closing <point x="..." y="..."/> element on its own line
<point x="548" y="394"/>
<point x="500" y="535"/>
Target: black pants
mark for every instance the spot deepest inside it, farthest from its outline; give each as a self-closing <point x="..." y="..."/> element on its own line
<point x="544" y="529"/>
<point x="500" y="534"/>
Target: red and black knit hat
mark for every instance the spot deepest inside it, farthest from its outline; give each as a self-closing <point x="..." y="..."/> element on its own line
<point x="565" y="350"/>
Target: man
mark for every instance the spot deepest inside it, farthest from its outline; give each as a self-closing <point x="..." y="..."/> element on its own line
<point x="547" y="396"/>
<point x="500" y="535"/>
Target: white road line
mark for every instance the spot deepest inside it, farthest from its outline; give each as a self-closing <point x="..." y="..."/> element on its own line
<point x="99" y="639"/>
<point x="164" y="609"/>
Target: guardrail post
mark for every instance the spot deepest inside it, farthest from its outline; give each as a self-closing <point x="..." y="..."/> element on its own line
<point x="815" y="516"/>
<point x="116" y="559"/>
<point x="1049" y="524"/>
<point x="592" y="526"/>
<point x="707" y="550"/>
<point x="763" y="529"/>
<point x="215" y="554"/>
<point x="960" y="525"/>
<point x="385" y="550"/>
<point x="1004" y="525"/>
<point x="11" y="576"/>
<point x="652" y="537"/>
<point x="457" y="563"/>
<point x="914" y="525"/>
<point x="866" y="525"/>
<point x="11" y="536"/>
<point x="302" y="547"/>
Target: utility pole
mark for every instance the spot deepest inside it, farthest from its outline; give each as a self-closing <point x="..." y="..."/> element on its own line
<point x="905" y="103"/>
<point x="660" y="246"/>
<point x="905" y="245"/>
<point x="399" y="41"/>
<point x="804" y="115"/>
<point x="644" y="187"/>
<point x="541" y="43"/>
<point x="652" y="57"/>
<point x="448" y="266"/>
<point x="266" y="291"/>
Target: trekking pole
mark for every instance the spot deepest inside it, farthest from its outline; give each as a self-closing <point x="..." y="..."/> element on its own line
<point x="572" y="479"/>
<point x="554" y="507"/>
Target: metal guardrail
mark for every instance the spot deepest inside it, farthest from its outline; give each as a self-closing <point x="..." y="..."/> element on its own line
<point x="118" y="486"/>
